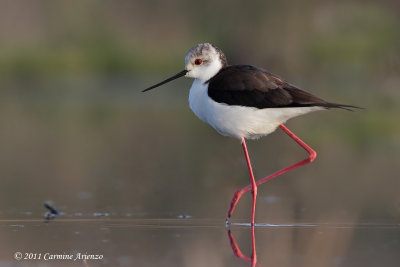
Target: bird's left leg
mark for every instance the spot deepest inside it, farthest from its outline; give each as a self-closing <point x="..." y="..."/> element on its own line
<point x="253" y="181"/>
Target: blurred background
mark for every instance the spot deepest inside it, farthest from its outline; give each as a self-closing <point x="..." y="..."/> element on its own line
<point x="76" y="130"/>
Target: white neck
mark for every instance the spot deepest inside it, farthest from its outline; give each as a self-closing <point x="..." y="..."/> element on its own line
<point x="210" y="71"/>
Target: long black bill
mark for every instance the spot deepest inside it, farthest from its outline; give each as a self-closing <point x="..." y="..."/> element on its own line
<point x="176" y="76"/>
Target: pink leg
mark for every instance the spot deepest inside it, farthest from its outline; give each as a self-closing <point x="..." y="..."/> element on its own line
<point x="253" y="181"/>
<point x="311" y="156"/>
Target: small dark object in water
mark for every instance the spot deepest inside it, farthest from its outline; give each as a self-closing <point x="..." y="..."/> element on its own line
<point x="100" y="214"/>
<point x="51" y="213"/>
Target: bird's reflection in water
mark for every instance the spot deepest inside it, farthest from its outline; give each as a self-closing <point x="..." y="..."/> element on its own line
<point x="238" y="253"/>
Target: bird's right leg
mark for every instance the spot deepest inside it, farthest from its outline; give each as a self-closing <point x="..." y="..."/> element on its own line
<point x="311" y="156"/>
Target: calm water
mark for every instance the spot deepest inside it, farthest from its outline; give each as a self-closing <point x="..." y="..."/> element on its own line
<point x="140" y="181"/>
<point x="194" y="242"/>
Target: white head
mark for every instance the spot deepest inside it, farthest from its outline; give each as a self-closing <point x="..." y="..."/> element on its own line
<point x="202" y="62"/>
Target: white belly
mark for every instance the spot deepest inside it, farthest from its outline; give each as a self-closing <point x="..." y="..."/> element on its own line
<point x="239" y="121"/>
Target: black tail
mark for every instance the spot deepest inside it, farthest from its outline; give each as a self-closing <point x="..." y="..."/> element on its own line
<point x="342" y="106"/>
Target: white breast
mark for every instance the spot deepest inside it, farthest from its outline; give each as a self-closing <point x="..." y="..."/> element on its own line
<point x="239" y="121"/>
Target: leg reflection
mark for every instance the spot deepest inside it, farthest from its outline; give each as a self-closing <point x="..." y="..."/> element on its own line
<point x="238" y="253"/>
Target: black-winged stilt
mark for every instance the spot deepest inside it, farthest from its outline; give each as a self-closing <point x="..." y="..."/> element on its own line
<point x="245" y="102"/>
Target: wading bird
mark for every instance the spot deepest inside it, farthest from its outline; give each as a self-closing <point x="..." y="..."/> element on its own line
<point x="245" y="102"/>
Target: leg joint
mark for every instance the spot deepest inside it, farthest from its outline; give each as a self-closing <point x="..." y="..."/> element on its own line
<point x="312" y="156"/>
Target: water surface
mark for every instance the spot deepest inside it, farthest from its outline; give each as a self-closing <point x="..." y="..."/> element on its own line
<point x="195" y="242"/>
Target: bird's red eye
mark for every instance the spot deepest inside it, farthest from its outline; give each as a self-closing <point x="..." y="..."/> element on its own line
<point x="198" y="61"/>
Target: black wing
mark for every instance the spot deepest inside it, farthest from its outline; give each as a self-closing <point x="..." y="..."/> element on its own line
<point x="246" y="85"/>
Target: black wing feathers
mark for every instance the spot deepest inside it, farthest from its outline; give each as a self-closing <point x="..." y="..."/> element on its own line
<point x="245" y="85"/>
